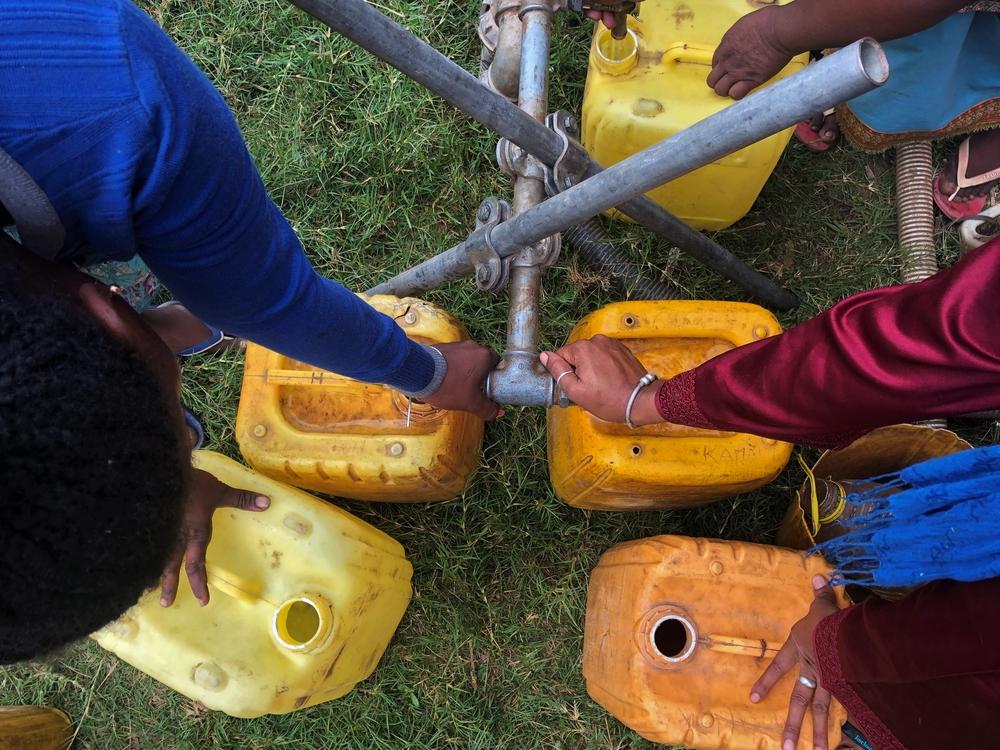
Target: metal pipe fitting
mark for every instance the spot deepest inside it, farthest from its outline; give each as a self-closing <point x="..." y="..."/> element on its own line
<point x="849" y="72"/>
<point x="504" y="73"/>
<point x="520" y="375"/>
<point x="521" y="380"/>
<point x="387" y="40"/>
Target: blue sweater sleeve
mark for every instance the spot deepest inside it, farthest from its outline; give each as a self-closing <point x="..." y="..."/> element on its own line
<point x="205" y="225"/>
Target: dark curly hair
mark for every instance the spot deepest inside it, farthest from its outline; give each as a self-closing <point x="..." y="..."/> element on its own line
<point x="91" y="475"/>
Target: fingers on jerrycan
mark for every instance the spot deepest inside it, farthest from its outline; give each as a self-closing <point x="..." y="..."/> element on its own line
<point x="305" y="598"/>
<point x="607" y="466"/>
<point x="679" y="629"/>
<point x="651" y="85"/>
<point x="357" y="440"/>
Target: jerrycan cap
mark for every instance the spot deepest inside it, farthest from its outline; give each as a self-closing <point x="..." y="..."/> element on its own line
<point x="615" y="57"/>
<point x="303" y="623"/>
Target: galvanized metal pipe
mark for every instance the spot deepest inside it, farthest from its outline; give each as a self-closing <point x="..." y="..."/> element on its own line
<point x="520" y="379"/>
<point x="849" y="72"/>
<point x="389" y="41"/>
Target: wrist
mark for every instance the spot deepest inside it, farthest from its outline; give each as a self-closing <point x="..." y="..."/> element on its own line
<point x="440" y="370"/>
<point x="781" y="30"/>
<point x="644" y="408"/>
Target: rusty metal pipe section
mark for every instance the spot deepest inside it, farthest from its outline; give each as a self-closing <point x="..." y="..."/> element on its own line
<point x="504" y="73"/>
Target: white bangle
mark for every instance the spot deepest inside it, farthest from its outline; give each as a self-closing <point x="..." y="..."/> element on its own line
<point x="643" y="382"/>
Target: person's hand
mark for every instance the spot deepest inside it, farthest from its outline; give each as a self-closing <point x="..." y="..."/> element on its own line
<point x="207" y="493"/>
<point x="468" y="365"/>
<point x="798" y="651"/>
<point x="600" y="374"/>
<point x="749" y="54"/>
<point x="605" y="17"/>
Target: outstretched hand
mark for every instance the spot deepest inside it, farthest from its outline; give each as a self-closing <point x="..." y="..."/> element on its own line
<point x="207" y="493"/>
<point x="468" y="365"/>
<point x="798" y="652"/>
<point x="748" y="55"/>
<point x="599" y="375"/>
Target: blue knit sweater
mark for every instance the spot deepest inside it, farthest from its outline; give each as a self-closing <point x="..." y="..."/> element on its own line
<point x="139" y="154"/>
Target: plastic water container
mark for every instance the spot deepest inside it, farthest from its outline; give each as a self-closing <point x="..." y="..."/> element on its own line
<point x="304" y="600"/>
<point x="325" y="432"/>
<point x="605" y="466"/>
<point x="679" y="629"/>
<point x="651" y="85"/>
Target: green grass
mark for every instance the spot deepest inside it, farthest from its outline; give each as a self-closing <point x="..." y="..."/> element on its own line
<point x="375" y="174"/>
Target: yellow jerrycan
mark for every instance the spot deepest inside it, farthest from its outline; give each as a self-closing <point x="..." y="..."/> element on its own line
<point x="34" y="728"/>
<point x="356" y="440"/>
<point x="304" y="600"/>
<point x="603" y="466"/>
<point x="881" y="451"/>
<point x="679" y="629"/>
<point x="651" y="85"/>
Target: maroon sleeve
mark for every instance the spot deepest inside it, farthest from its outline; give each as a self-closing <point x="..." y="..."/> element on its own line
<point x="920" y="673"/>
<point x="881" y="357"/>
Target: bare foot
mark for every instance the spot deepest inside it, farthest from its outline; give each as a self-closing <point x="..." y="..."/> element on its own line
<point x="825" y="126"/>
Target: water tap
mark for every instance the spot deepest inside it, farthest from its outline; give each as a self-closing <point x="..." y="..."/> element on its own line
<point x="621" y="11"/>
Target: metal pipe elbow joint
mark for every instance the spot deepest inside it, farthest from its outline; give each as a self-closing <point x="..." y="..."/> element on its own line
<point x="521" y="380"/>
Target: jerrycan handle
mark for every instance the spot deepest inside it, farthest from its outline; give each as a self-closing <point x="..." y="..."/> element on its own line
<point x="692" y="54"/>
<point x="232" y="585"/>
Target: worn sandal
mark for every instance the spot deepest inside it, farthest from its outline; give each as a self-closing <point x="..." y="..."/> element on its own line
<point x="962" y="209"/>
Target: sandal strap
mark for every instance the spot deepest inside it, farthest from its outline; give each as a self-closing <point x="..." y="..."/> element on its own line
<point x="962" y="178"/>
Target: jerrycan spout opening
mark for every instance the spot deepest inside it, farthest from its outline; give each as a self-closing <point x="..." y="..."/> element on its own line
<point x="303" y="623"/>
<point x="673" y="638"/>
<point x="616" y="57"/>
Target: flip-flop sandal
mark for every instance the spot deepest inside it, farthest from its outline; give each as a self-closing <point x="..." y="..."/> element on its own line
<point x="215" y="337"/>
<point x="810" y="138"/>
<point x="977" y="230"/>
<point x="197" y="431"/>
<point x="964" y="209"/>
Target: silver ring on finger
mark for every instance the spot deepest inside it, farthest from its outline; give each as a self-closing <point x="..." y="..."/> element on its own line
<point x="562" y="376"/>
<point x="811" y="684"/>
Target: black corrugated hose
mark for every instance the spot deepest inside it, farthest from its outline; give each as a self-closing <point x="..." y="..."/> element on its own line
<point x="592" y="244"/>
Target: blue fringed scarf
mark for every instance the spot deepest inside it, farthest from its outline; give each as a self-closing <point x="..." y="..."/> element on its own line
<point x="934" y="520"/>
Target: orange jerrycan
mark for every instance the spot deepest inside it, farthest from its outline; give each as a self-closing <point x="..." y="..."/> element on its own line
<point x="679" y="629"/>
<point x="357" y="440"/>
<point x="304" y="600"/>
<point x="651" y="85"/>
<point x="604" y="466"/>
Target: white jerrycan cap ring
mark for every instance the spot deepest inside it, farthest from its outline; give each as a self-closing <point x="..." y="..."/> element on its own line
<point x="302" y="623"/>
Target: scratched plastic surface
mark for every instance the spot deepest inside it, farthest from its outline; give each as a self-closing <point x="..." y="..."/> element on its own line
<point x="325" y="432"/>
<point x="652" y="84"/>
<point x="604" y="466"/>
<point x="304" y="600"/>
<point x="678" y="629"/>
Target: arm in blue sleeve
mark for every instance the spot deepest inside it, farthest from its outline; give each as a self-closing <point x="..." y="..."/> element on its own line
<point x="206" y="227"/>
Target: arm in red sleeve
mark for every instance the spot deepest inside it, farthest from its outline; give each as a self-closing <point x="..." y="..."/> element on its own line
<point x="882" y="357"/>
<point x="921" y="673"/>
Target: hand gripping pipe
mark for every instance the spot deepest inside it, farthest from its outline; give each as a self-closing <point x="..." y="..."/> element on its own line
<point x="390" y="42"/>
<point x="847" y="73"/>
